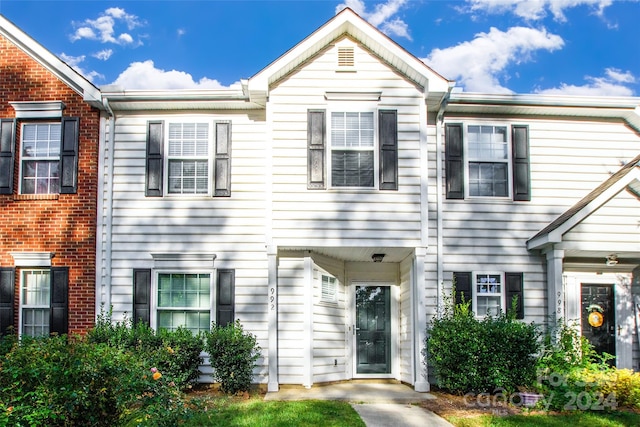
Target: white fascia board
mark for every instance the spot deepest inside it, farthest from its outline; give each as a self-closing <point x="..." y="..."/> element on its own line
<point x="346" y="22"/>
<point x="70" y="77"/>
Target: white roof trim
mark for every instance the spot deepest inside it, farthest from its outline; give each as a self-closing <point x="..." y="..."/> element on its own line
<point x="556" y="235"/>
<point x="89" y="92"/>
<point x="347" y="22"/>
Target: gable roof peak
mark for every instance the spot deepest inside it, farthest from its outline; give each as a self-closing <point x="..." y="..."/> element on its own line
<point x="348" y="23"/>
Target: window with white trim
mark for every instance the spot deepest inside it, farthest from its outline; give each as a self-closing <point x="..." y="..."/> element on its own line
<point x="188" y="159"/>
<point x="329" y="291"/>
<point x="40" y="158"/>
<point x="35" y="297"/>
<point x="488" y="293"/>
<point x="353" y="155"/>
<point x="488" y="160"/>
<point x="184" y="300"/>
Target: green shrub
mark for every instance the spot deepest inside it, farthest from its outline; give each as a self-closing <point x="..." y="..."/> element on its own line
<point x="572" y="376"/>
<point x="60" y="381"/>
<point x="175" y="353"/>
<point x="471" y="355"/>
<point x="233" y="354"/>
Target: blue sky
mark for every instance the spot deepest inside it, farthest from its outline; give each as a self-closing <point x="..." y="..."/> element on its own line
<point x="577" y="47"/>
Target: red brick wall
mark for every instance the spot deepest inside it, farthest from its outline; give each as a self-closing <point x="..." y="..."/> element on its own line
<point x="66" y="223"/>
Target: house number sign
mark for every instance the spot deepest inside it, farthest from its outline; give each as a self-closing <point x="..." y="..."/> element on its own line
<point x="272" y="299"/>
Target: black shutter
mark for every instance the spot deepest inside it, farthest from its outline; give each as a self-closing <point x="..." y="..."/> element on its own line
<point x="59" y="316"/>
<point x="69" y="155"/>
<point x="462" y="282"/>
<point x="7" y="144"/>
<point x="316" y="136"/>
<point x="225" y="296"/>
<point x="223" y="159"/>
<point x="155" y="163"/>
<point x="515" y="288"/>
<point x="7" y="292"/>
<point x="141" y="296"/>
<point x="521" y="171"/>
<point x="388" y="129"/>
<point x="454" y="163"/>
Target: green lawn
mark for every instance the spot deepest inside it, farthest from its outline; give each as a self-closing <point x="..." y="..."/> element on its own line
<point x="581" y="419"/>
<point x="254" y="412"/>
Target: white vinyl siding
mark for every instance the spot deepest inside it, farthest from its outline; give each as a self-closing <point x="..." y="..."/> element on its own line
<point x="347" y="216"/>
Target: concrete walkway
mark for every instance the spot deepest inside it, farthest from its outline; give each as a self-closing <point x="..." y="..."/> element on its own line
<point x="378" y="404"/>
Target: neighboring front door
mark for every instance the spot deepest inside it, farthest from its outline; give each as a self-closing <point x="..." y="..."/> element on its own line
<point x="373" y="329"/>
<point x="598" y="317"/>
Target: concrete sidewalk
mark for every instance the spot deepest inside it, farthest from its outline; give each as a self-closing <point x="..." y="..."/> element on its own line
<point x="378" y="404"/>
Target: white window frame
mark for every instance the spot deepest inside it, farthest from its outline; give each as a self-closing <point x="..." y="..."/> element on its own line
<point x="476" y="293"/>
<point x="51" y="159"/>
<point x="210" y="157"/>
<point x="349" y="107"/>
<point x="155" y="287"/>
<point x="331" y="295"/>
<point x="467" y="159"/>
<point x="23" y="306"/>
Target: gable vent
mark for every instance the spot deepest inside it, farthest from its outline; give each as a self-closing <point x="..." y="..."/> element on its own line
<point x="346" y="57"/>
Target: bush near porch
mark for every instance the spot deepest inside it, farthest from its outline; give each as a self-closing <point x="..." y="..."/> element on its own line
<point x="480" y="356"/>
<point x="502" y="356"/>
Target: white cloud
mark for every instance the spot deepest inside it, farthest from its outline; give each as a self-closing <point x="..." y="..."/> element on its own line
<point x="477" y="64"/>
<point x="144" y="75"/>
<point x="381" y="16"/>
<point x="103" y="54"/>
<point x="103" y="28"/>
<point x="535" y="9"/>
<point x="611" y="84"/>
<point x="75" y="61"/>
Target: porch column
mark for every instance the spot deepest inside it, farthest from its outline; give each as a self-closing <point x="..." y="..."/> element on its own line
<point x="419" y="321"/>
<point x="555" y="289"/>
<point x="272" y="310"/>
<point x="307" y="337"/>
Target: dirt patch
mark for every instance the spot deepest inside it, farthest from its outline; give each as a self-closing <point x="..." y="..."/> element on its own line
<point x="447" y="405"/>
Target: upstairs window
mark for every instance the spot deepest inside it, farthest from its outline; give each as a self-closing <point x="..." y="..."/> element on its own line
<point x="485" y="160"/>
<point x="488" y="162"/>
<point x="361" y="151"/>
<point x="40" y="155"/>
<point x="352" y="149"/>
<point x="188" y="158"/>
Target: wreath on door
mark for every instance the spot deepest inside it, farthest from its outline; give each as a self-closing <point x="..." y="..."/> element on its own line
<point x="596" y="317"/>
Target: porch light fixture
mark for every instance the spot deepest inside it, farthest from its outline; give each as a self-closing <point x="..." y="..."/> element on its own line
<point x="377" y="257"/>
<point x="612" y="260"/>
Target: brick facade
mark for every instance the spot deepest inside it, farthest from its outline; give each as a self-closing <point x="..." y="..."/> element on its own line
<point x="64" y="224"/>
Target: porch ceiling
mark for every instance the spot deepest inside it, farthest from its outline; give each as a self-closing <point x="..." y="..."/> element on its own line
<point x="355" y="254"/>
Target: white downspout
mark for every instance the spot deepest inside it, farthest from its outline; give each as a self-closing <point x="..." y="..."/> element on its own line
<point x="105" y="215"/>
<point x="439" y="180"/>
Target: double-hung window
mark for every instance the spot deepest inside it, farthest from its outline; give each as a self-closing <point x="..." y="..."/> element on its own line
<point x="487" y="160"/>
<point x="490" y="293"/>
<point x="352" y="149"/>
<point x="40" y="158"/>
<point x="184" y="300"/>
<point x="188" y="158"/>
<point x="35" y="297"/>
